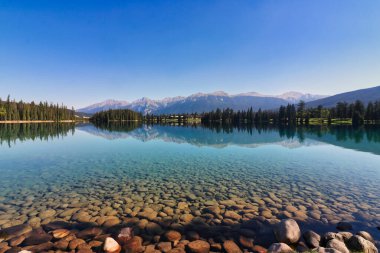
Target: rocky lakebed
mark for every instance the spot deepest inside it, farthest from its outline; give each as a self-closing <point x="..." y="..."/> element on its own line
<point x="231" y="226"/>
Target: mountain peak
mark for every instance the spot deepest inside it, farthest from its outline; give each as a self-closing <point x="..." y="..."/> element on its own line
<point x="201" y="102"/>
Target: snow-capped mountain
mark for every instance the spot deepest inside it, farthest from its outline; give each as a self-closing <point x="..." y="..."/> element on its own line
<point x="294" y="97"/>
<point x="203" y="102"/>
<point x="105" y="105"/>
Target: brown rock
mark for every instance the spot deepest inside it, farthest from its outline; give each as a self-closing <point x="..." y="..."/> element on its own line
<point x="173" y="236"/>
<point x="150" y="249"/>
<point x="47" y="214"/>
<point x="75" y="243"/>
<point x="89" y="233"/>
<point x="177" y="250"/>
<point x="95" y="244"/>
<point x="150" y="215"/>
<point x="61" y="244"/>
<point x="231" y="247"/>
<point x="42" y="247"/>
<point x="198" y="246"/>
<point x="11" y="232"/>
<point x="60" y="233"/>
<point x="216" y="247"/>
<point x="164" y="246"/>
<point x="232" y="215"/>
<point x="84" y="246"/>
<point x="85" y="251"/>
<point x="212" y="209"/>
<point x="111" y="222"/>
<point x="246" y="242"/>
<point x="125" y="235"/>
<point x="187" y="217"/>
<point x="259" y="249"/>
<point x="134" y="245"/>
<point x="36" y="237"/>
<point x="182" y="205"/>
<point x="16" y="241"/>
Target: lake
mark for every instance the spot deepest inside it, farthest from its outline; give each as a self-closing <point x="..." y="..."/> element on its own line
<point x="180" y="174"/>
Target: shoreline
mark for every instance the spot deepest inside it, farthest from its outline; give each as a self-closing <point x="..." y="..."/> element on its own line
<point x="37" y="121"/>
<point x="148" y="235"/>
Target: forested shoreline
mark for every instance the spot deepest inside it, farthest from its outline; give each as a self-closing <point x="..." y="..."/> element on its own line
<point x="10" y="110"/>
<point x="116" y="115"/>
<point x="343" y="113"/>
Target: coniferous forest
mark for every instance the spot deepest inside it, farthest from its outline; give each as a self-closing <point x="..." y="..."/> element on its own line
<point x="116" y="115"/>
<point x="10" y="110"/>
<point x="343" y="113"/>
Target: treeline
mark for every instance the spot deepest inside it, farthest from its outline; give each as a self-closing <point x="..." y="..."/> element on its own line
<point x="10" y="133"/>
<point x="115" y="115"/>
<point x="355" y="113"/>
<point x="170" y="118"/>
<point x="10" y="110"/>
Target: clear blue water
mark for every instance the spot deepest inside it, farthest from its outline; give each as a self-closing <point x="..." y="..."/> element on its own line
<point x="328" y="175"/>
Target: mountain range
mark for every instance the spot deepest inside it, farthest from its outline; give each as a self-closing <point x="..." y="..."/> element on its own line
<point x="202" y="102"/>
<point x="205" y="102"/>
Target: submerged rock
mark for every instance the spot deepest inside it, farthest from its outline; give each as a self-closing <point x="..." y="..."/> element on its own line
<point x="231" y="247"/>
<point x="344" y="226"/>
<point x="60" y="233"/>
<point x="125" y="235"/>
<point x="287" y="231"/>
<point x="173" y="236"/>
<point x="134" y="245"/>
<point x="199" y="246"/>
<point x="37" y="236"/>
<point x="14" y="231"/>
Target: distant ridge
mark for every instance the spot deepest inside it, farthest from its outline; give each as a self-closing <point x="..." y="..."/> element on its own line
<point x="364" y="95"/>
<point x="202" y="102"/>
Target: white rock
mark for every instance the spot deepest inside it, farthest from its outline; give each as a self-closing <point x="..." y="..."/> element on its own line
<point x="111" y="246"/>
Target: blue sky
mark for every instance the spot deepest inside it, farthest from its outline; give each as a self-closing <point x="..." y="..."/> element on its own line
<point x="84" y="51"/>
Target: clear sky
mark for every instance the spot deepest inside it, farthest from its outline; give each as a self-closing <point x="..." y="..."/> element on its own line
<point x="83" y="51"/>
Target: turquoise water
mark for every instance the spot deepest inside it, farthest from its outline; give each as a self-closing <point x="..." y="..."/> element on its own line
<point x="326" y="175"/>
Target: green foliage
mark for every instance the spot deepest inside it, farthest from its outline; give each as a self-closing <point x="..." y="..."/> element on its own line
<point x="116" y="115"/>
<point x="356" y="114"/>
<point x="17" y="111"/>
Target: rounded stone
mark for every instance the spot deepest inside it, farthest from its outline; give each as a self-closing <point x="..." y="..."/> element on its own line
<point x="287" y="231"/>
<point x="199" y="246"/>
<point x="111" y="246"/>
<point x="173" y="236"/>
<point x="280" y="248"/>
<point x="231" y="247"/>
